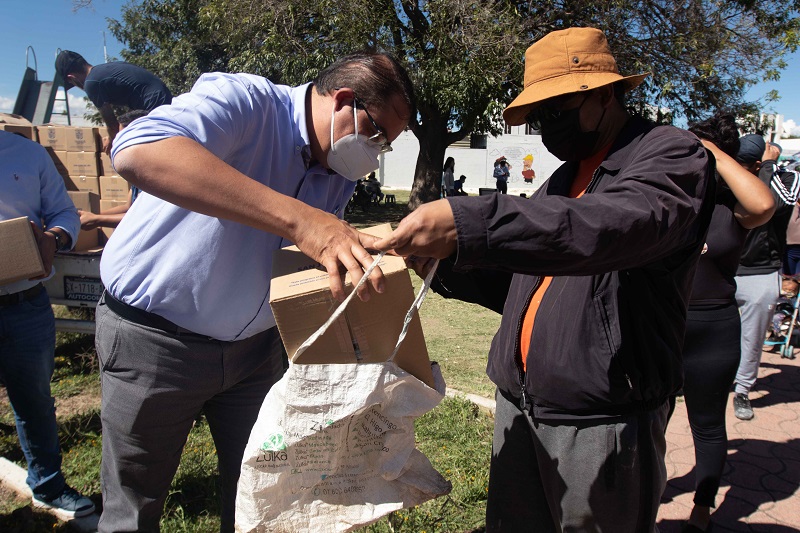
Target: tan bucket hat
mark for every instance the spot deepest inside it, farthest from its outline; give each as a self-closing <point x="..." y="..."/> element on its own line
<point x="563" y="62"/>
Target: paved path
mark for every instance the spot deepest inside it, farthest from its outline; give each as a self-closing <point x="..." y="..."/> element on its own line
<point x="760" y="489"/>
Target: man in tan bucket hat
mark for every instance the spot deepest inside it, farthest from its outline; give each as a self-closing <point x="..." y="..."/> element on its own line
<point x="592" y="276"/>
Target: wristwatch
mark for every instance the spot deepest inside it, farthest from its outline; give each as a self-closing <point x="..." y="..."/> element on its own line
<point x="60" y="244"/>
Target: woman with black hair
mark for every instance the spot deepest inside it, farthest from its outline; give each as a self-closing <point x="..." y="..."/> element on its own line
<point x="712" y="344"/>
<point x="448" y="177"/>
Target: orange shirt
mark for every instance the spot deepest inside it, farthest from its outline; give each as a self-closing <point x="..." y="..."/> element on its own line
<point x="584" y="175"/>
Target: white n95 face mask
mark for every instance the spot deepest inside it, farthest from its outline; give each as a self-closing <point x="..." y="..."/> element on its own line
<point x="353" y="156"/>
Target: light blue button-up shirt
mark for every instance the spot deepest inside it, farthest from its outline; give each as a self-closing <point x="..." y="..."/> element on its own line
<point x="30" y="186"/>
<point x="206" y="274"/>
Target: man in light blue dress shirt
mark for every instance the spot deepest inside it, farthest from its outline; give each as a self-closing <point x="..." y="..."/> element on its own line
<point x="30" y="186"/>
<point x="230" y="172"/>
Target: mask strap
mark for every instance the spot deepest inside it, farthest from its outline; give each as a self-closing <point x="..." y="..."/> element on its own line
<point x="333" y="121"/>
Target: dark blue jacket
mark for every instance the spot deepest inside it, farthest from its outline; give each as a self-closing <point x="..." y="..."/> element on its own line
<point x="609" y="331"/>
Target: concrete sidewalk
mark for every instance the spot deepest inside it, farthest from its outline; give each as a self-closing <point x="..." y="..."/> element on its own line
<point x="760" y="489"/>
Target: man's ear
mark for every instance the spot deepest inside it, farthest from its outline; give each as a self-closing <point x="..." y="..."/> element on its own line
<point x="342" y="97"/>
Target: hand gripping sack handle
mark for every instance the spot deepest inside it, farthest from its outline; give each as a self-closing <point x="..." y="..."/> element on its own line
<point x="333" y="447"/>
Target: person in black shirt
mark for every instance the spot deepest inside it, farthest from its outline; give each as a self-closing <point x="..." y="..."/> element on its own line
<point x="711" y="347"/>
<point x="116" y="83"/>
<point x="458" y="186"/>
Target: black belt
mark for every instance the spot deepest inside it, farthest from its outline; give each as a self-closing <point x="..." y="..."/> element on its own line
<point x="7" y="300"/>
<point x="144" y="318"/>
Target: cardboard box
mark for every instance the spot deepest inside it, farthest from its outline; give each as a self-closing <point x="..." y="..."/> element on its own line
<point x="105" y="205"/>
<point x="366" y="332"/>
<point x="54" y="136"/>
<point x="26" y="131"/>
<point x="59" y="158"/>
<point x="86" y="201"/>
<point x="19" y="253"/>
<point x="82" y="139"/>
<point x="106" y="232"/>
<point x="83" y="164"/>
<point x="114" y="188"/>
<point x="106" y="169"/>
<point x="83" y="183"/>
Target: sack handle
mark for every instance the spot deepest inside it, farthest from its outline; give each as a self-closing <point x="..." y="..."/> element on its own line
<point x="339" y="310"/>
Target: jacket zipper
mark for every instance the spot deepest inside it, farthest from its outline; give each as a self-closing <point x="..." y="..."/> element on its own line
<point x="517" y="348"/>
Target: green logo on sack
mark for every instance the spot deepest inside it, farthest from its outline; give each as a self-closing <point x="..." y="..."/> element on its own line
<point x="274" y="443"/>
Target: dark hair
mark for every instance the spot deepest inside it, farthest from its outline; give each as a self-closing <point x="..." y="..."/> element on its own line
<point x="69" y="62"/>
<point x="126" y="118"/>
<point x="449" y="163"/>
<point x="375" y="78"/>
<point x="721" y="129"/>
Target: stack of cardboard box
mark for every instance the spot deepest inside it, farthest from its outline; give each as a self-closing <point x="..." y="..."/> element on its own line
<point x="88" y="175"/>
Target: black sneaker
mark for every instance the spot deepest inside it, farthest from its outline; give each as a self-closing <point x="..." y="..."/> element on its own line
<point x="741" y="406"/>
<point x="70" y="503"/>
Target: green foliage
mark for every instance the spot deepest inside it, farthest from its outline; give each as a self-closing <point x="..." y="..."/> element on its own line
<point x="465" y="56"/>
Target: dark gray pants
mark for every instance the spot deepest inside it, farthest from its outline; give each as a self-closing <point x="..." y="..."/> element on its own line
<point x="154" y="385"/>
<point x="581" y="476"/>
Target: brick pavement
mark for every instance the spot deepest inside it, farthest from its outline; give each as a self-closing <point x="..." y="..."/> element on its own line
<point x="760" y="489"/>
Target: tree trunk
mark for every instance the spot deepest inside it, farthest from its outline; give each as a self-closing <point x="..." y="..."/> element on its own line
<point x="428" y="173"/>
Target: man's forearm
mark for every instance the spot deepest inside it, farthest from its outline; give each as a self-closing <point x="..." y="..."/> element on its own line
<point x="201" y="182"/>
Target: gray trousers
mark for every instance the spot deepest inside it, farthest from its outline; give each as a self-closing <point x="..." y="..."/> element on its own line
<point x="756" y="297"/>
<point x="578" y="476"/>
<point x="154" y="385"/>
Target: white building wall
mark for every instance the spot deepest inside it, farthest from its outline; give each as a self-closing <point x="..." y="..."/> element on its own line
<point x="477" y="164"/>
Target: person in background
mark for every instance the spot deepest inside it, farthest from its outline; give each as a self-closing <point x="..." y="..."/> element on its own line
<point x="448" y="176"/>
<point x="110" y="218"/>
<point x="458" y="186"/>
<point x="790" y="265"/>
<point x="501" y="174"/>
<point x="711" y="348"/>
<point x="592" y="277"/>
<point x="373" y="188"/>
<point x="115" y="83"/>
<point x="231" y="171"/>
<point x="32" y="187"/>
<point x="758" y="279"/>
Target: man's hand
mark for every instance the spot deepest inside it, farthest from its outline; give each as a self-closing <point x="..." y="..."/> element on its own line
<point x="47" y="249"/>
<point x="338" y="246"/>
<point x="771" y="153"/>
<point x="430" y="231"/>
<point x="107" y="141"/>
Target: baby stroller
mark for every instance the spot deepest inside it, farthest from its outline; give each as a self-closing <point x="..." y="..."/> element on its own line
<point x="784" y="333"/>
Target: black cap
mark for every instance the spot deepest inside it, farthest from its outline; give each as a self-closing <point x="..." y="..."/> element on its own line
<point x="65" y="62"/>
<point x="751" y="148"/>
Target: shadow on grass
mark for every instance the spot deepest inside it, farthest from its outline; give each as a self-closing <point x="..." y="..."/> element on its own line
<point x="194" y="496"/>
<point x="75" y="431"/>
<point x="25" y="520"/>
<point x="377" y="214"/>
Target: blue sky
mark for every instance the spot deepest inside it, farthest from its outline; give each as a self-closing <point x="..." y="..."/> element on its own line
<point x="48" y="25"/>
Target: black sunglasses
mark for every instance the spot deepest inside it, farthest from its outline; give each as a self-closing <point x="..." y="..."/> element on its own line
<point x="550" y="112"/>
<point x="380" y="137"/>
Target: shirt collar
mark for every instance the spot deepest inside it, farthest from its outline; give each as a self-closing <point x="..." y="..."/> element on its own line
<point x="298" y="98"/>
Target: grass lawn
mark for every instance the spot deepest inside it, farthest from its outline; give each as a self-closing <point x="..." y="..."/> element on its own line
<point x="455" y="436"/>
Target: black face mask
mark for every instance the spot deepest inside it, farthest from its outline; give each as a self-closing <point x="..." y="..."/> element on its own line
<point x="563" y="136"/>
